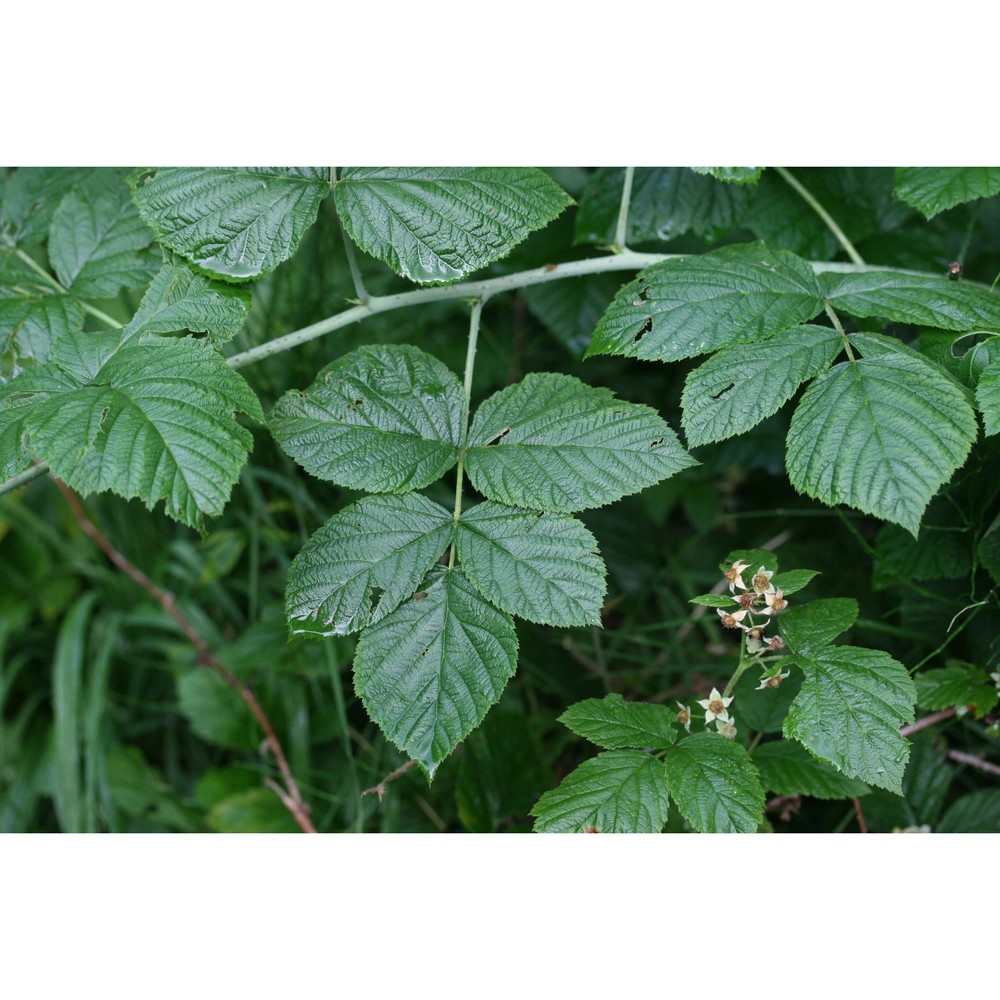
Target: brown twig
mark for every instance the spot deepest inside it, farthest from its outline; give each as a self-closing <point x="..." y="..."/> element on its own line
<point x="927" y="720"/>
<point x="289" y="795"/>
<point x="973" y="761"/>
<point x="379" y="789"/>
<point x="860" y="815"/>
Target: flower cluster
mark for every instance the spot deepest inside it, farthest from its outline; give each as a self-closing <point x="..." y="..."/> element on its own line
<point x="760" y="597"/>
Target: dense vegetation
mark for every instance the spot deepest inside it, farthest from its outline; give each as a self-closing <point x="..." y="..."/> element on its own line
<point x="285" y="453"/>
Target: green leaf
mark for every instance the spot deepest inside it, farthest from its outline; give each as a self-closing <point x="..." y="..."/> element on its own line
<point x="942" y="551"/>
<point x="913" y="298"/>
<point x="182" y="299"/>
<point x="738" y="388"/>
<point x="32" y="195"/>
<point x="542" y="567"/>
<point x="715" y="601"/>
<point x="732" y="175"/>
<point x="880" y="434"/>
<point x="258" y="810"/>
<point x="153" y="419"/>
<point x="384" y="419"/>
<point x="684" y="307"/>
<point x="754" y="558"/>
<point x="666" y="202"/>
<point x="618" y="791"/>
<point x="794" y="580"/>
<point x="786" y="769"/>
<point x="216" y="713"/>
<point x="936" y="189"/>
<point x="977" y="812"/>
<point x="988" y="397"/>
<point x="552" y="443"/>
<point x="959" y="685"/>
<point x="782" y="219"/>
<point x="96" y="238"/>
<point x="715" y="784"/>
<point x="614" y="723"/>
<point x="236" y="222"/>
<point x="816" y="624"/>
<point x="438" y="224"/>
<point x="849" y="711"/>
<point x="429" y="672"/>
<point x="364" y="562"/>
<point x="764" y="710"/>
<point x="30" y="326"/>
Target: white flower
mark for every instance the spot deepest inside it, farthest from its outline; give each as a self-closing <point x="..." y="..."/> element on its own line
<point x="761" y="582"/>
<point x="684" y="716"/>
<point x="727" y="728"/>
<point x="734" y="576"/>
<point x="715" y="706"/>
<point x="996" y="678"/>
<point x="731" y="619"/>
<point x="775" y="603"/>
<point x="772" y="680"/>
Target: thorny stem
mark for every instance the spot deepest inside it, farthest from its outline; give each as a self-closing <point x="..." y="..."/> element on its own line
<point x="470" y="364"/>
<point x="45" y="276"/>
<point x="290" y="794"/>
<point x="828" y="219"/>
<point x="623" y="210"/>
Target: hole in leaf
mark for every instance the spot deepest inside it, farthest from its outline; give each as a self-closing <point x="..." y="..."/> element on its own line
<point x="716" y="396"/>
<point x="646" y="327"/>
<point x="656" y="443"/>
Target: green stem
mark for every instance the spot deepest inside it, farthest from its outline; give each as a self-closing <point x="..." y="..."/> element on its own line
<point x="42" y="273"/>
<point x="741" y="668"/>
<point x="623" y="210"/>
<point x="828" y="219"/>
<point x="835" y="319"/>
<point x="352" y="260"/>
<point x="470" y="364"/>
<point x="23" y="478"/>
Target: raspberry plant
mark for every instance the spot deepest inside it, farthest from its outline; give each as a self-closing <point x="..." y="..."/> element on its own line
<point x="429" y="504"/>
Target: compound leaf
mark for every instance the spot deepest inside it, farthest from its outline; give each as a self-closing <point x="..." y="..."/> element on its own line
<point x="437" y="224"/>
<point x="428" y="672"/>
<point x="715" y="784"/>
<point x="614" y="723"/>
<point x="913" y="298"/>
<point x="153" y="419"/>
<point x="880" y="434"/>
<point x="384" y="419"/>
<point x="738" y="388"/>
<point x="787" y="769"/>
<point x="236" y="222"/>
<point x="849" y="711"/>
<point x="931" y="190"/>
<point x="96" y="238"/>
<point x="618" y="791"/>
<point x="550" y="442"/>
<point x="364" y="562"/>
<point x="543" y="567"/>
<point x="182" y="299"/>
<point x="695" y="305"/>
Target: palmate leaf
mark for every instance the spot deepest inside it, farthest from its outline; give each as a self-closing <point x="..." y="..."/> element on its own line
<point x="715" y="784"/>
<point x="29" y="326"/>
<point x="384" y="419"/>
<point x="182" y="299"/>
<point x="935" y="189"/>
<point x="428" y="672"/>
<point x="96" y="238"/>
<point x="787" y="769"/>
<point x="614" y="723"/>
<point x="849" y="711"/>
<point x="550" y="442"/>
<point x="380" y="545"/>
<point x="154" y="420"/>
<point x="437" y="224"/>
<point x="236" y="222"/>
<point x="880" y="434"/>
<point x="913" y="298"/>
<point x="738" y="388"/>
<point x="695" y="305"/>
<point x="539" y="566"/>
<point x="666" y="202"/>
<point x="618" y="791"/>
